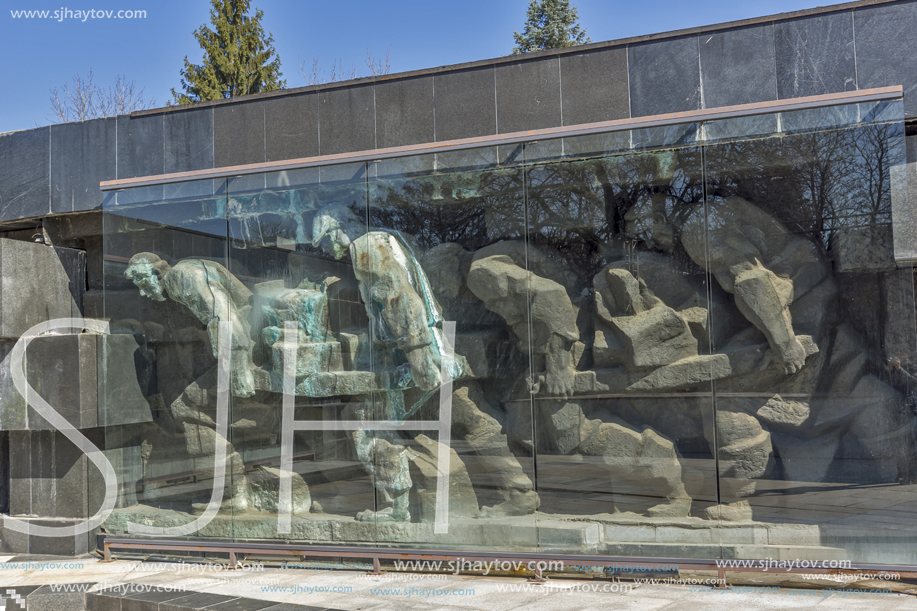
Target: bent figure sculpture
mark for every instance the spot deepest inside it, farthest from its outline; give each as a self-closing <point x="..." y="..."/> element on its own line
<point x="212" y="294"/>
<point x="406" y="318"/>
<point x="737" y="243"/>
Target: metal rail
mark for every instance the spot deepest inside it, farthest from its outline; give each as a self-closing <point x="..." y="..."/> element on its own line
<point x="706" y="114"/>
<point x="379" y="553"/>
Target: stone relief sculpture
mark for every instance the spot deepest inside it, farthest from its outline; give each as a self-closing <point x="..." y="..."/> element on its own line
<point x="638" y="323"/>
<point x="396" y="293"/>
<point x="212" y="294"/>
<point x="650" y="343"/>
<point x="528" y="301"/>
<point x="406" y="317"/>
<point x="735" y="241"/>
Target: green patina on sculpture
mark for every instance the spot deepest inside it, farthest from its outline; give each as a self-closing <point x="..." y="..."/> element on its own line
<point x="213" y="295"/>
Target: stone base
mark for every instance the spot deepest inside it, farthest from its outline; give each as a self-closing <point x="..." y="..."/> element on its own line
<point x="20" y="543"/>
<point x="611" y="534"/>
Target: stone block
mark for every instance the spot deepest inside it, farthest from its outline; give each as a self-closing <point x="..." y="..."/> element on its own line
<point x="740" y="534"/>
<point x="20" y="543"/>
<point x="82" y="155"/>
<point x="238" y="134"/>
<point x="666" y="550"/>
<point x="38" y="283"/>
<point x="815" y="55"/>
<point x="528" y="95"/>
<point x="594" y="86"/>
<point x="737" y="66"/>
<point x="65" y="230"/>
<point x="47" y="598"/>
<point x="793" y="534"/>
<point x="346" y="120"/>
<point x="465" y="104"/>
<point x="91" y="380"/>
<point x="664" y="76"/>
<point x="63" y="371"/>
<point x="12" y="404"/>
<point x="193" y="602"/>
<point x="291" y="127"/>
<point x="562" y="534"/>
<point x="25" y="184"/>
<point x="107" y="600"/>
<point x="793" y="553"/>
<point x="404" y="112"/>
<point x="49" y="475"/>
<point x="904" y="203"/>
<point x="149" y="601"/>
<point x="616" y="533"/>
<point x="674" y="534"/>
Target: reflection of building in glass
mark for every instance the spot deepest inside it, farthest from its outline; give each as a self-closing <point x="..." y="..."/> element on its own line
<point x="672" y="338"/>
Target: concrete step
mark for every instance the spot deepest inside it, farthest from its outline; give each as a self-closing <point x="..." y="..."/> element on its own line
<point x="152" y="598"/>
<point x="77" y="597"/>
<point x="45" y="598"/>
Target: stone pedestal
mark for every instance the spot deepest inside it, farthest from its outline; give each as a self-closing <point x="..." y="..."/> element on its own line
<point x="91" y="380"/>
<point x="609" y="534"/>
<point x="39" y="283"/>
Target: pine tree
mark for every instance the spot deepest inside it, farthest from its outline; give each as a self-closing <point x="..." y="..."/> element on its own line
<point x="239" y="59"/>
<point x="550" y="24"/>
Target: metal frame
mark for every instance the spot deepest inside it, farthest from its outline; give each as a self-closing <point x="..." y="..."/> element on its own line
<point x="378" y="553"/>
<point x="706" y="114"/>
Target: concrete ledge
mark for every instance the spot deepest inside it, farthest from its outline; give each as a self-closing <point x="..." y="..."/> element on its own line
<point x="631" y="535"/>
<point x="149" y="598"/>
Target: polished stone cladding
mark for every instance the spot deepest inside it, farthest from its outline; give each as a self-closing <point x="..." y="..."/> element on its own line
<point x="846" y="47"/>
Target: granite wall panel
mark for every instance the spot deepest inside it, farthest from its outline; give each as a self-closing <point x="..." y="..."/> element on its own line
<point x="291" y="127"/>
<point x="594" y="86"/>
<point x="238" y="134"/>
<point x="815" y="55"/>
<point x="82" y="155"/>
<point x="886" y="44"/>
<point x="404" y="112"/>
<point x="346" y="120"/>
<point x="664" y="76"/>
<point x="528" y="95"/>
<point x="737" y="66"/>
<point x="465" y="103"/>
<point x="24" y="174"/>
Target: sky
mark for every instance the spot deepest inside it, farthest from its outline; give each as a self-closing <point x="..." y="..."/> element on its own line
<point x="42" y="54"/>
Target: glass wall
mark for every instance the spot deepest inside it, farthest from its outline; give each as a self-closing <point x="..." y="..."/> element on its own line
<point x="687" y="341"/>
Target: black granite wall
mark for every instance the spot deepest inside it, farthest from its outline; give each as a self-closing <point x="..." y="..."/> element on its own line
<point x="860" y="45"/>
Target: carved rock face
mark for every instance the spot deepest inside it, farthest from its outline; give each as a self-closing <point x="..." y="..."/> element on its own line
<point x="513" y="293"/>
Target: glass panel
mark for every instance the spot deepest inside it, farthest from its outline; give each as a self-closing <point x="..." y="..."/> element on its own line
<point x="690" y="340"/>
<point x="814" y="425"/>
<point x="621" y="342"/>
<point x="450" y="292"/>
<point x="294" y="263"/>
<point x="162" y="253"/>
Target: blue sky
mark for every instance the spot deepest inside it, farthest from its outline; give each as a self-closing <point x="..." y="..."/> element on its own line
<point x="40" y="54"/>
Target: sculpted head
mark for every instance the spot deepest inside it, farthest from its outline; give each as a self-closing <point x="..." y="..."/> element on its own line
<point x="646" y="221"/>
<point x="146" y="270"/>
<point x="334" y="228"/>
